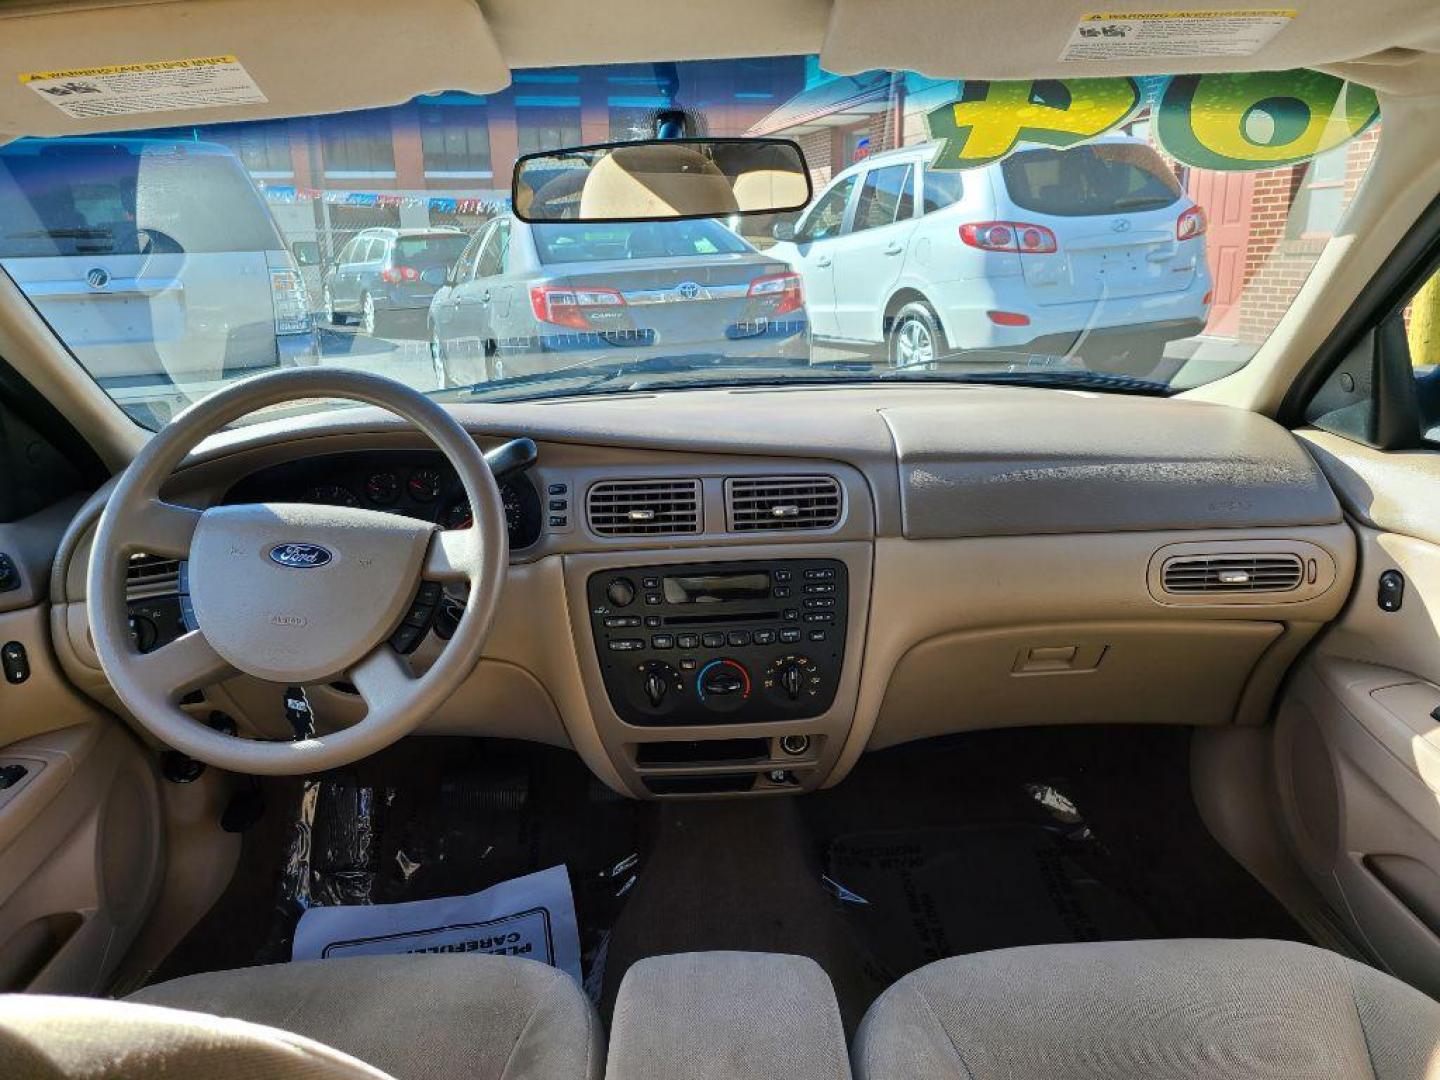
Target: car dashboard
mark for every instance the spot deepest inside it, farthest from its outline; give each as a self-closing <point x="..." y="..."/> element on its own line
<point x="739" y="592"/>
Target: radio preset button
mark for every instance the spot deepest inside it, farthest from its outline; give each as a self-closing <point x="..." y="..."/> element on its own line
<point x="687" y="641"/>
<point x="662" y="641"/>
<point x="790" y="634"/>
<point x="764" y="637"/>
<point x="739" y="638"/>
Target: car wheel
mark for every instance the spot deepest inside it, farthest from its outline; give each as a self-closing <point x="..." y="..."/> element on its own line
<point x="333" y="317"/>
<point x="915" y="337"/>
<point x="369" y="317"/>
<point x="437" y="361"/>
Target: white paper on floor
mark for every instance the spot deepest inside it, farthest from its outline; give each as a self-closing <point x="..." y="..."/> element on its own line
<point x="531" y="916"/>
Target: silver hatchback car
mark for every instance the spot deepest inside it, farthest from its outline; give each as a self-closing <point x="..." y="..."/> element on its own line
<point x="530" y="298"/>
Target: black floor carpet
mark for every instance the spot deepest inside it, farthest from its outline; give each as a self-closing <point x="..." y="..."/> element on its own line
<point x="929" y="850"/>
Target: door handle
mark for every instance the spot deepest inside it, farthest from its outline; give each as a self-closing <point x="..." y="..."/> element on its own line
<point x="894" y="249"/>
<point x="822" y="263"/>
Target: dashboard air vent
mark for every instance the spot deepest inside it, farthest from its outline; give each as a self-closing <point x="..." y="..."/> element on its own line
<point x="782" y="502"/>
<point x="1232" y="574"/>
<point x="644" y="507"/>
<point x="152" y="575"/>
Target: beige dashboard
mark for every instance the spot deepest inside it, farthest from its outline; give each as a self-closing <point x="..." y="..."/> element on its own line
<point x="1013" y="556"/>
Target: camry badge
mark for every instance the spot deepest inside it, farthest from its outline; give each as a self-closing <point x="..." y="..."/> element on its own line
<point x="299" y="556"/>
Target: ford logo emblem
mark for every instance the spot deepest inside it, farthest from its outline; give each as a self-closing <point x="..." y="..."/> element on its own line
<point x="97" y="278"/>
<point x="299" y="556"/>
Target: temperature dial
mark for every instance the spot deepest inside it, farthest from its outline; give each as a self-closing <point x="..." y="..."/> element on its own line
<point x="723" y="685"/>
<point x="792" y="679"/>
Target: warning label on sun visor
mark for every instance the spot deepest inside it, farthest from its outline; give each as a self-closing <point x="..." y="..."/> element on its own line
<point x="163" y="86"/>
<point x="1143" y="34"/>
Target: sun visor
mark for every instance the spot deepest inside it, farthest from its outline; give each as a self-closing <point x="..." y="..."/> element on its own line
<point x="1001" y="39"/>
<point x="79" y="68"/>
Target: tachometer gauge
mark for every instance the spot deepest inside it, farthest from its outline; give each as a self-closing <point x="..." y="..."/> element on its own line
<point x="382" y="488"/>
<point x="424" y="485"/>
<point x="332" y="495"/>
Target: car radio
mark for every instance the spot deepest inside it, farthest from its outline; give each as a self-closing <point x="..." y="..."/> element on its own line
<point x="714" y="643"/>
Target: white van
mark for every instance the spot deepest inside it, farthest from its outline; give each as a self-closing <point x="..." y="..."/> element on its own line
<point x="155" y="260"/>
<point x="1046" y="252"/>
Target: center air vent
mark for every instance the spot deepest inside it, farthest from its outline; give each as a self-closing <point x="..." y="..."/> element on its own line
<point x="782" y="502"/>
<point x="151" y="575"/>
<point x="644" y="507"/>
<point x="1232" y="574"/>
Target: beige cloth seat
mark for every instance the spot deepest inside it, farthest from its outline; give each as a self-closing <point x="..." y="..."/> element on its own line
<point x="472" y="1016"/>
<point x="1158" y="1010"/>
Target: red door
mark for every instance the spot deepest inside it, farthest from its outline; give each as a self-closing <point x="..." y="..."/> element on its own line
<point x="1226" y="199"/>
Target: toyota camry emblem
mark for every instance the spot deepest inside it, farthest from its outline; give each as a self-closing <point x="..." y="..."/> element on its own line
<point x="300" y="556"/>
<point x="689" y="290"/>
<point x="1120" y="224"/>
<point x="97" y="277"/>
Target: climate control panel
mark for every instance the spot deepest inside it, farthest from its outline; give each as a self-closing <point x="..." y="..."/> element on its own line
<point x="713" y="643"/>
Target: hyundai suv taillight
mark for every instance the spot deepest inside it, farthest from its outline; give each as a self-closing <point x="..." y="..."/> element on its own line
<point x="784" y="288"/>
<point x="1190" y="224"/>
<point x="1017" y="237"/>
<point x="565" y="306"/>
<point x="291" y="301"/>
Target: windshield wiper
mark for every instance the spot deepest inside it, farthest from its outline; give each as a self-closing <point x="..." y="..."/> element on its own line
<point x="1064" y="379"/>
<point x="591" y="373"/>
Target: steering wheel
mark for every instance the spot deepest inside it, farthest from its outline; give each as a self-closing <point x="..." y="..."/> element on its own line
<point x="293" y="593"/>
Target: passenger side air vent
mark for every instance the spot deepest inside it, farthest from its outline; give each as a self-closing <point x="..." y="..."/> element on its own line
<point x="760" y="503"/>
<point x="644" y="507"/>
<point x="1232" y="574"/>
<point x="152" y="575"/>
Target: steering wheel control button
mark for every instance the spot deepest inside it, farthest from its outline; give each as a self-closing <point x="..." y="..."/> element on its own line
<point x="729" y="619"/>
<point x="16" y="662"/>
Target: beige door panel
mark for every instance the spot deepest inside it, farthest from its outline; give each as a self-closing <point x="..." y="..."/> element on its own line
<point x="81" y="829"/>
<point x="1357" y="749"/>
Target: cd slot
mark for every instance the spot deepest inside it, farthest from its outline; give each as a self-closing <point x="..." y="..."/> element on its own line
<point x="721" y="617"/>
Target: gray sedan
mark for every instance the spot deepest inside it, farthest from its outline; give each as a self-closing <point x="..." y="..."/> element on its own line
<point x="524" y="299"/>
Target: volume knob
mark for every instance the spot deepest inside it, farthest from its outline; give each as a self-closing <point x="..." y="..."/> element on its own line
<point x="620" y="592"/>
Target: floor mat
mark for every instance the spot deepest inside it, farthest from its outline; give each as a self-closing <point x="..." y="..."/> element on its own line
<point x="428" y="818"/>
<point x="925" y="894"/>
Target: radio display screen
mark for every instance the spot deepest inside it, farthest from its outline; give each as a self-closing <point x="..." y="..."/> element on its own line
<point x="716" y="588"/>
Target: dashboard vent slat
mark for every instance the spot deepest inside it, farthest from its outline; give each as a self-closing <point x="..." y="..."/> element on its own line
<point x="644" y="507"/>
<point x="1212" y="574"/>
<point x="151" y="575"/>
<point x="757" y="503"/>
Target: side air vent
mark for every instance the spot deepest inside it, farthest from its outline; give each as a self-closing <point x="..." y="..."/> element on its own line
<point x="760" y="503"/>
<point x="152" y="575"/>
<point x="1232" y="574"/>
<point x="644" y="507"/>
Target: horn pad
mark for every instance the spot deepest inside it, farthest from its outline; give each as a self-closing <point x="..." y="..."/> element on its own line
<point x="295" y="593"/>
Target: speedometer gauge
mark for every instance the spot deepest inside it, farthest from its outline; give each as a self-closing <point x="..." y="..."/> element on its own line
<point x="458" y="515"/>
<point x="382" y="488"/>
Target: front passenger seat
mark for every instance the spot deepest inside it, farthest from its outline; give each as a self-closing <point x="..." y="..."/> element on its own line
<point x="1157" y="1010"/>
<point x="434" y="1016"/>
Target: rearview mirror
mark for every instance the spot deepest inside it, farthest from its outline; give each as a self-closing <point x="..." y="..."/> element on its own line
<point x="662" y="180"/>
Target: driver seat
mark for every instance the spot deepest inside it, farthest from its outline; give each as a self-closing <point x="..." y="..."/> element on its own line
<point x="372" y="1017"/>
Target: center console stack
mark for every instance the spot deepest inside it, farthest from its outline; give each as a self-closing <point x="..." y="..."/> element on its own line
<point x="720" y="642"/>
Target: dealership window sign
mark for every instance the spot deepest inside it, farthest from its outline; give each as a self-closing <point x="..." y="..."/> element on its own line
<point x="1237" y="121"/>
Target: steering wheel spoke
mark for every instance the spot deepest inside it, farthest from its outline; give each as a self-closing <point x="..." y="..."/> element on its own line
<point x="383" y="678"/>
<point x="162" y="528"/>
<point x="453" y="555"/>
<point x="187" y="663"/>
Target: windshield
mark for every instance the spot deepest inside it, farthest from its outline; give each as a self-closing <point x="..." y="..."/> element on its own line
<point x="1132" y="235"/>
